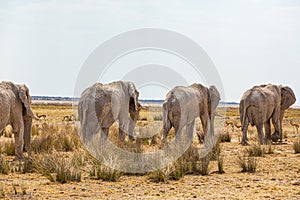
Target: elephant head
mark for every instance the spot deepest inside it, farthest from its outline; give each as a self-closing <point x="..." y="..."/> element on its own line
<point x="134" y="95"/>
<point x="287" y="97"/>
<point x="25" y="98"/>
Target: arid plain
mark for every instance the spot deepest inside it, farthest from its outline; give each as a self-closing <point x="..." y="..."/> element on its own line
<point x="60" y="168"/>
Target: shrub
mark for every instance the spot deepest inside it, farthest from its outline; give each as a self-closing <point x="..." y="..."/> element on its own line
<point x="185" y="164"/>
<point x="252" y="163"/>
<point x="179" y="169"/>
<point x="225" y="137"/>
<point x="4" y="166"/>
<point x="160" y="175"/>
<point x="105" y="173"/>
<point x="8" y="131"/>
<point x="8" y="147"/>
<point x="296" y="146"/>
<point x="256" y="150"/>
<point x="63" y="139"/>
<point x="248" y="164"/>
<point x="64" y="168"/>
<point x="216" y="151"/>
<point x="66" y="171"/>
<point x="220" y="165"/>
<point x="204" y="165"/>
<point x="43" y="143"/>
<point x="269" y="150"/>
<point x="107" y="170"/>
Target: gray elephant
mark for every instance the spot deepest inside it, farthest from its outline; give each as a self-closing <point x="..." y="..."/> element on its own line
<point x="102" y="104"/>
<point x="261" y="104"/>
<point x="184" y="104"/>
<point x="15" y="110"/>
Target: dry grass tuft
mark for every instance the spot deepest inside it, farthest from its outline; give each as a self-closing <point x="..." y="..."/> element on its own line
<point x="225" y="137"/>
<point x="188" y="163"/>
<point x="247" y="163"/>
<point x="63" y="138"/>
<point x="270" y="149"/>
<point x="65" y="169"/>
<point x="7" y="131"/>
<point x="296" y="146"/>
<point x="4" y="165"/>
<point x="8" y="147"/>
<point x="256" y="151"/>
<point x="105" y="172"/>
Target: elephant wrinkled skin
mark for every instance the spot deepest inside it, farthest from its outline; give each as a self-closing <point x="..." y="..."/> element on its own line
<point x="15" y="110"/>
<point x="261" y="104"/>
<point x="184" y="104"/>
<point x="102" y="104"/>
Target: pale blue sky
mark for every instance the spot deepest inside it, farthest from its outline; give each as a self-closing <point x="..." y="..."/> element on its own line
<point x="44" y="43"/>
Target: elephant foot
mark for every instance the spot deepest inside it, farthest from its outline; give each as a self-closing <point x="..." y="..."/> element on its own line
<point x="244" y="143"/>
<point x="131" y="138"/>
<point x="274" y="137"/>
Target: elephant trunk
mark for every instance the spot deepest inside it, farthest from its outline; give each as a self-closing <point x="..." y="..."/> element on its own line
<point x="133" y="118"/>
<point x="212" y="124"/>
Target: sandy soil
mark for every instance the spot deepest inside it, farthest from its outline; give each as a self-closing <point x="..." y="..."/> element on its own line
<point x="277" y="177"/>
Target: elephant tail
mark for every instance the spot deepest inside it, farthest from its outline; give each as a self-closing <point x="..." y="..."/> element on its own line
<point x="244" y="117"/>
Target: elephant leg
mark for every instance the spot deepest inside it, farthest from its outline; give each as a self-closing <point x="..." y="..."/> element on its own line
<point x="178" y="132"/>
<point x="277" y="134"/>
<point x="244" y="136"/>
<point x="27" y="135"/>
<point x="131" y="129"/>
<point x="122" y="133"/>
<point x="261" y="137"/>
<point x="277" y="121"/>
<point x="268" y="130"/>
<point x="19" y="143"/>
<point x="190" y="130"/>
<point x="205" y="122"/>
<point x="104" y="135"/>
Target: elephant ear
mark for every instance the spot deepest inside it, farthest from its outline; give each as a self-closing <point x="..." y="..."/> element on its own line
<point x="287" y="97"/>
<point x="214" y="97"/>
<point x="134" y="95"/>
<point x="26" y="100"/>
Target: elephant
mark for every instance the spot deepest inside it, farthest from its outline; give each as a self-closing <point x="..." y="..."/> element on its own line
<point x="183" y="104"/>
<point x="15" y="110"/>
<point x="261" y="104"/>
<point x="102" y="104"/>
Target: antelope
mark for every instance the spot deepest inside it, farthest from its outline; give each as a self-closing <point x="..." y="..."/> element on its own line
<point x="68" y="118"/>
<point x="294" y="125"/>
<point x="41" y="116"/>
<point x="227" y="123"/>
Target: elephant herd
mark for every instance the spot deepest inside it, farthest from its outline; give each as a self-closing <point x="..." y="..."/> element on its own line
<point x="100" y="105"/>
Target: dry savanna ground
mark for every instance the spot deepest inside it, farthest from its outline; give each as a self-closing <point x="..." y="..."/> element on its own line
<point x="60" y="168"/>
